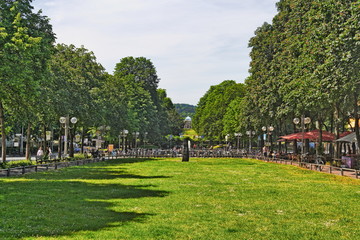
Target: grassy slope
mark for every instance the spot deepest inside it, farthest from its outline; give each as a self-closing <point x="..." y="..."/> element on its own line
<point x="169" y="199"/>
<point x="190" y="133"/>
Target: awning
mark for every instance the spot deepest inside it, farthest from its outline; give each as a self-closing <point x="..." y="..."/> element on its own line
<point x="348" y="138"/>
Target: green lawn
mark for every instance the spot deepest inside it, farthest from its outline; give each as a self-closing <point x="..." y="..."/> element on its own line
<point x="170" y="199"/>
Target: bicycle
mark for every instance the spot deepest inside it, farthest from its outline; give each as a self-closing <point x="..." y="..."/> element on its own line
<point x="319" y="162"/>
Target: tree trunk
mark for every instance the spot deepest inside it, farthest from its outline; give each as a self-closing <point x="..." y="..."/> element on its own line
<point x="280" y="147"/>
<point x="357" y="127"/>
<point x="319" y="149"/>
<point x="28" y="142"/>
<point x="60" y="142"/>
<point x="3" y="133"/>
<point x="71" y="136"/>
<point x="295" y="149"/>
<point x="44" y="142"/>
<point x="262" y="143"/>
<point x="337" y="147"/>
<point x="307" y="145"/>
<point x="83" y="140"/>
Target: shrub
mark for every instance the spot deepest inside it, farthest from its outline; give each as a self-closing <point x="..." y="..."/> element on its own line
<point x="14" y="164"/>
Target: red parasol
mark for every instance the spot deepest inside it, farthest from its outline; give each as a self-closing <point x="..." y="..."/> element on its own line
<point x="312" y="135"/>
<point x="344" y="134"/>
<point x="326" y="136"/>
<point x="293" y="136"/>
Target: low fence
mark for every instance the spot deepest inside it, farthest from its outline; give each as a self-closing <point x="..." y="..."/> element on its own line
<point x="141" y="153"/>
<point x="173" y="153"/>
<point x="53" y="165"/>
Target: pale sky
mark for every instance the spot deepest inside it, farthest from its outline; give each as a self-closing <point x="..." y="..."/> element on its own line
<point x="193" y="44"/>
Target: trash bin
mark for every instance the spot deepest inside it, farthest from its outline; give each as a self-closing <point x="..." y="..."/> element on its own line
<point x="349" y="162"/>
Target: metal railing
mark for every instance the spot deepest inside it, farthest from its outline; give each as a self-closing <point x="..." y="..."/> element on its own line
<point x="313" y="166"/>
<point x="158" y="153"/>
<point x="45" y="167"/>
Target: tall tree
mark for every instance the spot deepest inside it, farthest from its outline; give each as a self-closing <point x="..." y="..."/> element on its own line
<point x="72" y="89"/>
<point x="172" y="119"/>
<point x="313" y="63"/>
<point x="143" y="71"/>
<point x="209" y="116"/>
<point x="140" y="81"/>
<point x="26" y="39"/>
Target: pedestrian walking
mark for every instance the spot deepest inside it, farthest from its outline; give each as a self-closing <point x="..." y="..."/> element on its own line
<point x="40" y="153"/>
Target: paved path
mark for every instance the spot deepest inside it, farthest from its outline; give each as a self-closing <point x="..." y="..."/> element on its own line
<point x="17" y="158"/>
<point x="325" y="169"/>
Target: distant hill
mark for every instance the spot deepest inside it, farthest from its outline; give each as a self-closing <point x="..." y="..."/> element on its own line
<point x="185" y="109"/>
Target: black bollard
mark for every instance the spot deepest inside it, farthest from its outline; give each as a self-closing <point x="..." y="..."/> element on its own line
<point x="186" y="154"/>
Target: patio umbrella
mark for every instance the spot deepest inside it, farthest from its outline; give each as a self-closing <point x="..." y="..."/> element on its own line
<point x="293" y="136"/>
<point x="343" y="134"/>
<point x="312" y="135"/>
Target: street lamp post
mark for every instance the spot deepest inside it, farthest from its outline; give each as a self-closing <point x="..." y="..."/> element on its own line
<point x="303" y="121"/>
<point x="238" y="136"/>
<point x="170" y="138"/>
<point x="64" y="121"/>
<point x="100" y="133"/>
<point x="135" y="134"/>
<point x="124" y="133"/>
<point x="145" y="135"/>
<point x="119" y="141"/>
<point x="226" y="141"/>
<point x="268" y="132"/>
<point x="250" y="134"/>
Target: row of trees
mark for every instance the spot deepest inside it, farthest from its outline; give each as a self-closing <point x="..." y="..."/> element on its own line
<point x="41" y="81"/>
<point x="305" y="63"/>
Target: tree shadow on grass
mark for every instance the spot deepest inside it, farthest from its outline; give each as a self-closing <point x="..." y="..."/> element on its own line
<point x="108" y="173"/>
<point x="110" y="169"/>
<point x="56" y="203"/>
<point x="131" y="160"/>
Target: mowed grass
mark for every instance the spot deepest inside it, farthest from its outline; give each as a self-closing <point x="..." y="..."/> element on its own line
<point x="170" y="199"/>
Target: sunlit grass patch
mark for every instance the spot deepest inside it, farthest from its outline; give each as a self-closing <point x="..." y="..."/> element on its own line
<point x="170" y="199"/>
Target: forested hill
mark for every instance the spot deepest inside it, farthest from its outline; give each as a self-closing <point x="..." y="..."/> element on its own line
<point x="185" y="109"/>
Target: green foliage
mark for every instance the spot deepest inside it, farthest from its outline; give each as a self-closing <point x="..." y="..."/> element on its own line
<point x="149" y="108"/>
<point x="304" y="63"/>
<point x="26" y="41"/>
<point x="143" y="71"/>
<point x="75" y="78"/>
<point x="191" y="134"/>
<point x="232" y="118"/>
<point x="80" y="156"/>
<point x="172" y="123"/>
<point x="14" y="164"/>
<point x="212" y="107"/>
<point x="41" y="82"/>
